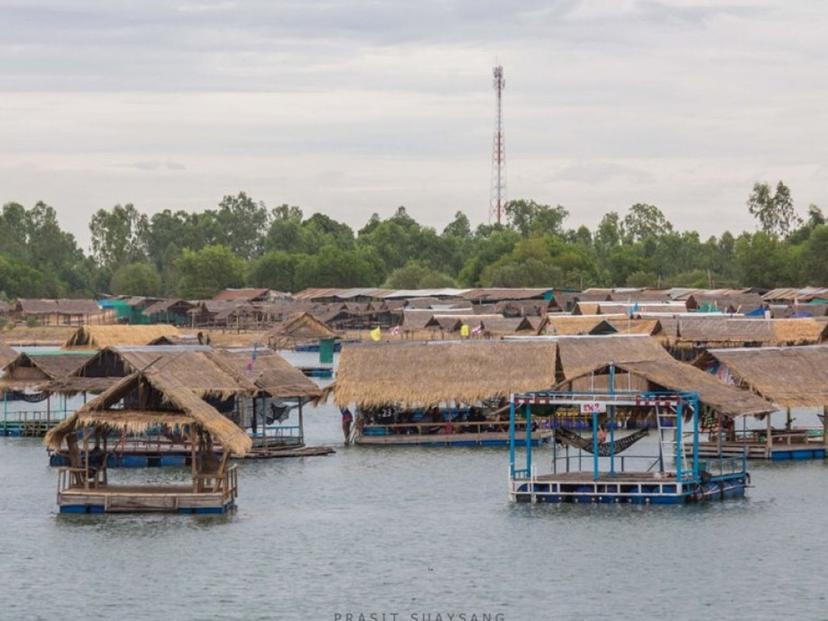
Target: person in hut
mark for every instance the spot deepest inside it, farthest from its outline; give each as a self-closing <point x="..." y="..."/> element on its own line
<point x="347" y="421"/>
<point x="602" y="434"/>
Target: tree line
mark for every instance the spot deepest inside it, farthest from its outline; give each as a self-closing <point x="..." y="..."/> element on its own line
<point x="242" y="242"/>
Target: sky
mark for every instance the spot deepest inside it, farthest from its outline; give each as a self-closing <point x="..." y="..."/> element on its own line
<point x="360" y="106"/>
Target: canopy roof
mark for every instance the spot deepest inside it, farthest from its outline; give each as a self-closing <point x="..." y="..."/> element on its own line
<point x="161" y="399"/>
<point x="37" y="370"/>
<point x="422" y="374"/>
<point x="674" y="375"/>
<point x="788" y="376"/>
<point x="98" y="337"/>
<point x="582" y="354"/>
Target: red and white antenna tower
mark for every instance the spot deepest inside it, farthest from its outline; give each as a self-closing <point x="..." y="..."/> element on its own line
<point x="497" y="199"/>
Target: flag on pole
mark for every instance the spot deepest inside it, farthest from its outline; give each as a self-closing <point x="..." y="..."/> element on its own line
<point x="464" y="331"/>
<point x="376" y="334"/>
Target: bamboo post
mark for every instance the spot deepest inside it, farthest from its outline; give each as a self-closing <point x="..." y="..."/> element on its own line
<point x="787" y="419"/>
<point x="825" y="425"/>
<point x="86" y="458"/>
<point x="301" y="424"/>
<point x="769" y="438"/>
<point x="193" y="454"/>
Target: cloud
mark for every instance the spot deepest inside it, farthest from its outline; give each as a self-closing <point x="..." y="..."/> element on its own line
<point x="361" y="106"/>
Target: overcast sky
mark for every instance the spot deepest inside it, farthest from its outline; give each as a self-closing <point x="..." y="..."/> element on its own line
<point x="356" y="107"/>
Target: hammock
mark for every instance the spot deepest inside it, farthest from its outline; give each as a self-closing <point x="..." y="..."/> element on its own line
<point x="565" y="436"/>
<point x="19" y="395"/>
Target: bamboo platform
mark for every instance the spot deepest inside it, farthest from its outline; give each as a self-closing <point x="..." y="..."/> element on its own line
<point x="103" y="497"/>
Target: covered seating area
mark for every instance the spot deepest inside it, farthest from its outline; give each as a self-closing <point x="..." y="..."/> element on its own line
<point x="794" y="380"/>
<point x="443" y="394"/>
<point x="138" y="402"/>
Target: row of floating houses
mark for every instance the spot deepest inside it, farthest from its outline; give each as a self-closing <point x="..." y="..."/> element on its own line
<point x="716" y="389"/>
<point x="365" y="308"/>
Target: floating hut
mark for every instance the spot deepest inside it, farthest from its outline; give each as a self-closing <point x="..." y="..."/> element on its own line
<point x="98" y="337"/>
<point x="257" y="391"/>
<point x="789" y="377"/>
<point x="442" y="393"/>
<point x="298" y="329"/>
<point x="148" y="399"/>
<point x="24" y="381"/>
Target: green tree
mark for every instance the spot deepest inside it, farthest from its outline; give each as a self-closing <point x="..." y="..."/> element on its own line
<point x="275" y="270"/>
<point x="205" y="272"/>
<point x="136" y="279"/>
<point x="119" y="235"/>
<point x="774" y="211"/>
<point x="528" y="217"/>
<point x="417" y="275"/>
<point x="643" y="221"/>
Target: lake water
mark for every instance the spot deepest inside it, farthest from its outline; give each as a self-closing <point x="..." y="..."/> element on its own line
<point x="411" y="531"/>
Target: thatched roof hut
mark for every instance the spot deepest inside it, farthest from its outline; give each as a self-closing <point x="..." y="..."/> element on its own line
<point x="38" y="370"/>
<point x="502" y="326"/>
<point x="565" y="325"/>
<point x="788" y="376"/>
<point x="418" y="374"/>
<point x="98" y="337"/>
<point x="650" y="327"/>
<point x="296" y="329"/>
<point x="581" y="354"/>
<point x="675" y="376"/>
<point x="155" y="398"/>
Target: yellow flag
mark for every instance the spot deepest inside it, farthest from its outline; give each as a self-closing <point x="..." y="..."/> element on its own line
<point x="464" y="331"/>
<point x="376" y="334"/>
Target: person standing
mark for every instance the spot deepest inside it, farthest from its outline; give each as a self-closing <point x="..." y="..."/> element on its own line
<point x="347" y="420"/>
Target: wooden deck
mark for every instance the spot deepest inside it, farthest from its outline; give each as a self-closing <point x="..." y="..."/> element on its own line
<point x="208" y="495"/>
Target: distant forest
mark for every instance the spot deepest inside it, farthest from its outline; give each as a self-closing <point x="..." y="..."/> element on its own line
<point x="243" y="242"/>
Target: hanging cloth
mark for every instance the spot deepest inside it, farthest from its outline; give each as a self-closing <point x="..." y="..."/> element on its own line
<point x="565" y="436"/>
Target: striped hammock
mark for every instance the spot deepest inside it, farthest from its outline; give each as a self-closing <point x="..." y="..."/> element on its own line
<point x="605" y="449"/>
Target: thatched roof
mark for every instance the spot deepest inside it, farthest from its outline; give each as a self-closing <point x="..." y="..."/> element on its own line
<point x="564" y="325"/>
<point x="788" y="376"/>
<point x="299" y="327"/>
<point x="272" y="374"/>
<point x="674" y="375"/>
<point x="581" y="354"/>
<point x="37" y="370"/>
<point x="97" y="337"/>
<point x="499" y="326"/>
<point x="649" y="327"/>
<point x="63" y="306"/>
<point x="418" y="374"/>
<point x="165" y="400"/>
<point x="725" y="330"/>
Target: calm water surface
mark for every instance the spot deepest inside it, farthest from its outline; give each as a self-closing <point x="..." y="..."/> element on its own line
<point x="411" y="531"/>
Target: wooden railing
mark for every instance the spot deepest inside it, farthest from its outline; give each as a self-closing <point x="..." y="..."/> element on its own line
<point x="75" y="478"/>
<point x="226" y="483"/>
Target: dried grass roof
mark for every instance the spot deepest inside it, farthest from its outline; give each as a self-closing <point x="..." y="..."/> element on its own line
<point x="564" y="325"/>
<point x="35" y="371"/>
<point x="300" y="326"/>
<point x="579" y="355"/>
<point x="272" y="374"/>
<point x="98" y="337"/>
<point x="671" y="374"/>
<point x="168" y="397"/>
<point x="7" y="354"/>
<point x="649" y="327"/>
<point x="419" y="374"/>
<point x="788" y="376"/>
